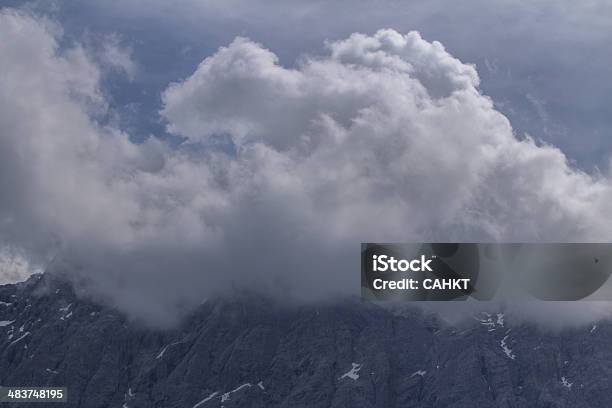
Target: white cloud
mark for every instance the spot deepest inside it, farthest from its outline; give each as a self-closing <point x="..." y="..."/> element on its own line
<point x="14" y="267"/>
<point x="384" y="138"/>
<point x="116" y="56"/>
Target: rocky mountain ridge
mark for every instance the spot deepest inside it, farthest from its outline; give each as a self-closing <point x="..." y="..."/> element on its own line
<point x="249" y="352"/>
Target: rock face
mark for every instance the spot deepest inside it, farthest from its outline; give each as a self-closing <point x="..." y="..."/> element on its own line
<point x="251" y="353"/>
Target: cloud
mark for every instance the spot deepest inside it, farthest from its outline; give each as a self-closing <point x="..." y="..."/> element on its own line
<point x="538" y="49"/>
<point x="14" y="267"/>
<point x="115" y="56"/>
<point x="384" y="137"/>
<point x="390" y="125"/>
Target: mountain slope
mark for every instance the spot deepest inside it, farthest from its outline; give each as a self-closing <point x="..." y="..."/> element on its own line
<point x="252" y="353"/>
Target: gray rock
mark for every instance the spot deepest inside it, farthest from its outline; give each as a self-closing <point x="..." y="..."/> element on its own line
<point x="251" y="352"/>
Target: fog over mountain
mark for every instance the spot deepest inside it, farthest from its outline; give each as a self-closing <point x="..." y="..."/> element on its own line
<point x="282" y="170"/>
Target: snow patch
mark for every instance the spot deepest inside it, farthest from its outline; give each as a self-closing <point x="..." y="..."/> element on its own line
<point x="507" y="350"/>
<point x="51" y="371"/>
<point x="66" y="313"/>
<point x="420" y="373"/>
<point x="227" y="395"/>
<point x="5" y="303"/>
<point x="65" y="308"/>
<point x="352" y="373"/>
<point x="566" y="383"/>
<point x="487" y="321"/>
<point x="205" y="400"/>
<point x="19" y="339"/>
<point x="126" y="397"/>
<point x="593" y="328"/>
<point x="492" y="322"/>
<point x="4" y="323"/>
<point x="163" y="350"/>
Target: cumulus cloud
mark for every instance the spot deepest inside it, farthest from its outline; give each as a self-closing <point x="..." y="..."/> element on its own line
<point x="389" y="125"/>
<point x="384" y="137"/>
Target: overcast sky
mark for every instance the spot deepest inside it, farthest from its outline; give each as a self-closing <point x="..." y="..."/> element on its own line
<point x="163" y="153"/>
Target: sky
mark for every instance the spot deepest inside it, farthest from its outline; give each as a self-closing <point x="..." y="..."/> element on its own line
<point x="160" y="154"/>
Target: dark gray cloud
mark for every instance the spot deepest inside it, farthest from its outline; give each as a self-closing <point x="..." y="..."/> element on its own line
<point x="383" y="137"/>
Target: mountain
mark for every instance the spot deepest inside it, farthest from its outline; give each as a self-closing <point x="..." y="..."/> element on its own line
<point x="249" y="352"/>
